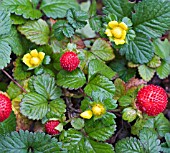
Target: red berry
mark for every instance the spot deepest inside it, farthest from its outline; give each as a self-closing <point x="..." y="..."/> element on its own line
<point x="69" y="61"/>
<point x="5" y="107"/>
<point x="50" y="127"/>
<point x="152" y="100"/>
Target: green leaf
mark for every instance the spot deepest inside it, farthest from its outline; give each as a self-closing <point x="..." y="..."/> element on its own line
<point x="100" y="129"/>
<point x="162" y="48"/>
<point x="120" y="88"/>
<point x="164" y="70"/>
<point x="24" y="142"/>
<point x="21" y="7"/>
<point x="99" y="67"/>
<point x="5" y="52"/>
<point x="95" y="23"/>
<point x="119" y="8"/>
<point x="165" y="147"/>
<point x="5" y="22"/>
<point x="146" y="72"/>
<point x="77" y="18"/>
<point x="140" y="50"/>
<point x="129" y="145"/>
<point x="57" y="107"/>
<point x="80" y="144"/>
<point x="129" y="114"/>
<point x="160" y="123"/>
<point x="8" y="125"/>
<point x="36" y="31"/>
<point x="103" y="50"/>
<point x="57" y="9"/>
<point x="13" y="90"/>
<point x="62" y="29"/>
<point x="45" y="85"/>
<point x="77" y="123"/>
<point x="16" y="20"/>
<point x="71" y="80"/>
<point x="152" y="17"/>
<point x="34" y="105"/>
<point x="155" y="62"/>
<point x="93" y="8"/>
<point x="125" y="100"/>
<point x="13" y="39"/>
<point x="102" y="85"/>
<point x="150" y="141"/>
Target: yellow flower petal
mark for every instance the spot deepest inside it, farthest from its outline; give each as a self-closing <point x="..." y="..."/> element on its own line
<point x="108" y="32"/>
<point x="119" y="41"/>
<point x="123" y="25"/>
<point x="86" y="114"/>
<point x="98" y="109"/>
<point x="26" y="59"/>
<point x="34" y="53"/>
<point x="123" y="34"/>
<point x="112" y="24"/>
<point x="41" y="55"/>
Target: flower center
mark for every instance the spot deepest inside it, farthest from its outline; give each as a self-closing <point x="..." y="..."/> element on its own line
<point x="97" y="110"/>
<point x="117" y="32"/>
<point x="35" y="61"/>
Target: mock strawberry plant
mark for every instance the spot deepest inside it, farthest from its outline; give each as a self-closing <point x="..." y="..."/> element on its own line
<point x="84" y="77"/>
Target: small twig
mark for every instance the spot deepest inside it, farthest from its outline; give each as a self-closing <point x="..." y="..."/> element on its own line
<point x="6" y="73"/>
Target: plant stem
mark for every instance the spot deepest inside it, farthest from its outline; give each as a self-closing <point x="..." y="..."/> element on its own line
<point x="6" y="73"/>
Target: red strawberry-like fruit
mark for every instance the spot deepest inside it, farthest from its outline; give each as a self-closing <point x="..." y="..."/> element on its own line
<point x="69" y="61"/>
<point x="50" y="127"/>
<point x="5" y="106"/>
<point x="152" y="100"/>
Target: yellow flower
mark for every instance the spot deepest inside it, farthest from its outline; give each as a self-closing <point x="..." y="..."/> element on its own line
<point x="87" y="114"/>
<point x="98" y="109"/>
<point x="33" y="59"/>
<point x="117" y="32"/>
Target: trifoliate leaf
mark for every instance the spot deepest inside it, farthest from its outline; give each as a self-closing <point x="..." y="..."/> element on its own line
<point x="77" y="18"/>
<point x="81" y="144"/>
<point x="13" y="39"/>
<point x="160" y="123"/>
<point x="103" y="50"/>
<point x="5" y="52"/>
<point x="120" y="88"/>
<point x="8" y="125"/>
<point x="164" y="70"/>
<point x="22" y="7"/>
<point x="34" y="105"/>
<point x="99" y="67"/>
<point x="20" y="70"/>
<point x="57" y="8"/>
<point x="146" y="72"/>
<point x="150" y="141"/>
<point x="95" y="23"/>
<point x="71" y="80"/>
<point x="129" y="145"/>
<point x="62" y="29"/>
<point x="155" y="62"/>
<point x="45" y="85"/>
<point x="24" y="141"/>
<point x="77" y="123"/>
<point x="140" y="50"/>
<point x="36" y="31"/>
<point x="5" y="22"/>
<point x="98" y="130"/>
<point x="119" y="8"/>
<point x="102" y="85"/>
<point x="152" y="17"/>
<point x="165" y="147"/>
